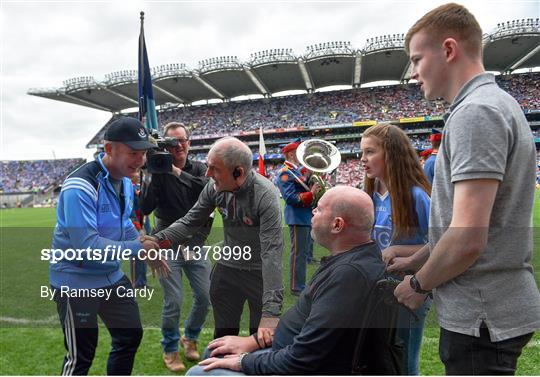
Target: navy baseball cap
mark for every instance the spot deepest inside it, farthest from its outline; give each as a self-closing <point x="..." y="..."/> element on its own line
<point x="129" y="131"/>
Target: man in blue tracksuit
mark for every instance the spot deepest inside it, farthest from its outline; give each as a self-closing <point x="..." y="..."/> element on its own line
<point x="298" y="200"/>
<point x="93" y="214"/>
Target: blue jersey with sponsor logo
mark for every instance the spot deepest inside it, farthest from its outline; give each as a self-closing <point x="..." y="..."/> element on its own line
<point x="383" y="227"/>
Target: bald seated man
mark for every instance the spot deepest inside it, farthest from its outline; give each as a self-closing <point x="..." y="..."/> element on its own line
<point x="318" y="335"/>
<point x="249" y="263"/>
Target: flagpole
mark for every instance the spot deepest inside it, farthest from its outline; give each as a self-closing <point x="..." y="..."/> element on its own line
<point x="147" y="106"/>
<point x="143" y="109"/>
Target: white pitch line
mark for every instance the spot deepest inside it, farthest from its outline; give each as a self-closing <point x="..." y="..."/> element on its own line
<point x="206" y="331"/>
<point x="24" y="321"/>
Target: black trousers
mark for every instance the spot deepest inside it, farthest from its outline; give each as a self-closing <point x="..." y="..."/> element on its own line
<point x="78" y="317"/>
<point x="469" y="355"/>
<point x="229" y="290"/>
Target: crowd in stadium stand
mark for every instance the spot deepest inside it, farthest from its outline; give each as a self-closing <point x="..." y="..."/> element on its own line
<point x="350" y="173"/>
<point x="326" y="108"/>
<point x="336" y="107"/>
<point x="525" y="88"/>
<point x="317" y="109"/>
<point x="35" y="176"/>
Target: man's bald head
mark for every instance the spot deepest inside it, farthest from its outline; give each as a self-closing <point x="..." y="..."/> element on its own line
<point x="343" y="219"/>
<point x="233" y="153"/>
<point x="353" y="205"/>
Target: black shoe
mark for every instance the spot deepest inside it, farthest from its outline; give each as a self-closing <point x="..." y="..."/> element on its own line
<point x="295" y="293"/>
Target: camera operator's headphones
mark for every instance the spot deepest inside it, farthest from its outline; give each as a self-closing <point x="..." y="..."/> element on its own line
<point x="236" y="173"/>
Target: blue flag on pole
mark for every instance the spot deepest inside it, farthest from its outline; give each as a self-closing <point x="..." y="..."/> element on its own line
<point x="147" y="105"/>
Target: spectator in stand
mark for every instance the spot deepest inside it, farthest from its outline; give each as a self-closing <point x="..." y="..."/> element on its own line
<point x="327" y="108"/>
<point x="26" y="176"/>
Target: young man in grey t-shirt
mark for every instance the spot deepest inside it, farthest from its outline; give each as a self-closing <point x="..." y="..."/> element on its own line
<point x="478" y="258"/>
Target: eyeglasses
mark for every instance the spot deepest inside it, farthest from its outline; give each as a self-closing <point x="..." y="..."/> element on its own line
<point x="182" y="141"/>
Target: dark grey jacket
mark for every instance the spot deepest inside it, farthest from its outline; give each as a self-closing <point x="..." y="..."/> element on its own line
<point x="251" y="218"/>
<point x="319" y="333"/>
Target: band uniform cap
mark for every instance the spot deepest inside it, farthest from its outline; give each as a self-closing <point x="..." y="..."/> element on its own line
<point x="436" y="135"/>
<point x="129" y="131"/>
<point x="291" y="146"/>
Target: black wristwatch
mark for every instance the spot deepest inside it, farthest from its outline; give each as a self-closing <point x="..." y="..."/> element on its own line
<point x="415" y="285"/>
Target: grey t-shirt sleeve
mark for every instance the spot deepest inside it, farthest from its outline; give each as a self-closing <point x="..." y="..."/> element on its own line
<point x="271" y="238"/>
<point x="183" y="228"/>
<point x="480" y="140"/>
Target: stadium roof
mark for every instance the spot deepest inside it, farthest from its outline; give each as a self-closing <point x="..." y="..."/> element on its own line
<point x="513" y="45"/>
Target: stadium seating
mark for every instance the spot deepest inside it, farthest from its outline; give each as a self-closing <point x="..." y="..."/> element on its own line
<point x="327" y="108"/>
<point x="35" y="176"/>
<point x="308" y="110"/>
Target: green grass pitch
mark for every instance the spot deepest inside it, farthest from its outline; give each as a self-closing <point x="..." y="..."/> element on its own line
<point x="31" y="341"/>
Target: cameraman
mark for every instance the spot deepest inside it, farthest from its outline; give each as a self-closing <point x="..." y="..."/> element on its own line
<point x="172" y="195"/>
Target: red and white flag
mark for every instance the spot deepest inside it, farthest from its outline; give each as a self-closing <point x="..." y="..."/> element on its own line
<point x="262" y="152"/>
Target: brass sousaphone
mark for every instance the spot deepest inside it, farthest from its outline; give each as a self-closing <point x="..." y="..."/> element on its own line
<point x="319" y="156"/>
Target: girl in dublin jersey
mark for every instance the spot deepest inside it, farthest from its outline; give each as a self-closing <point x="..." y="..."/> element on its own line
<point x="395" y="181"/>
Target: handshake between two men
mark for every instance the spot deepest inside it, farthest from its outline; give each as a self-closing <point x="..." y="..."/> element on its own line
<point x="154" y="257"/>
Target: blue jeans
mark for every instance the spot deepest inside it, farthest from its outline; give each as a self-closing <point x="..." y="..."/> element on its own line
<point x="300" y="244"/>
<point x="198" y="275"/>
<point x="410" y="332"/>
<point x="197" y="370"/>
